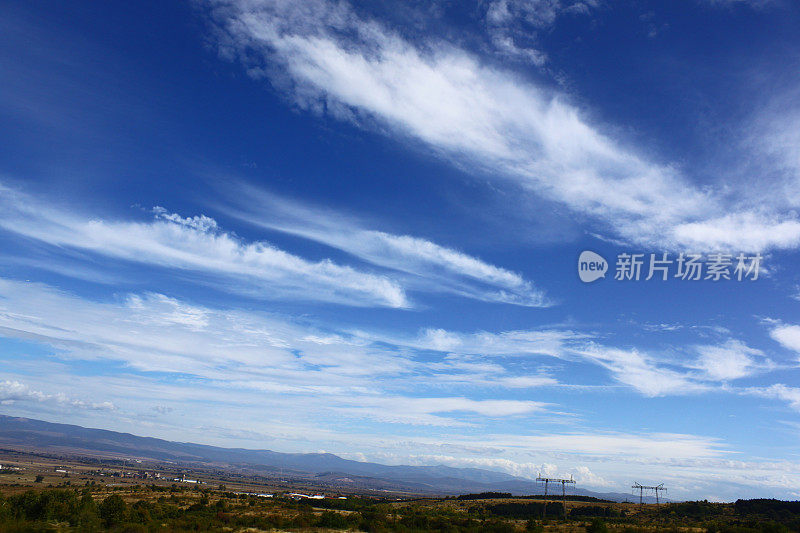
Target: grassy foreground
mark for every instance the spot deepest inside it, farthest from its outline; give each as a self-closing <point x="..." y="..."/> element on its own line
<point x="146" y="508"/>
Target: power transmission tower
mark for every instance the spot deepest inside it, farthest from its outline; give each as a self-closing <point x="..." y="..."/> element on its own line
<point x="548" y="480"/>
<point x="658" y="488"/>
<point x="642" y="488"/>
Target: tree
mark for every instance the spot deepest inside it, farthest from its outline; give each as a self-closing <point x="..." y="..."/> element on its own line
<point x="113" y="510"/>
<point x="88" y="518"/>
<point x="39" y="478"/>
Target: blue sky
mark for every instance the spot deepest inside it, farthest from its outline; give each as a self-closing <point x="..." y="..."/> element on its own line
<point x="355" y="228"/>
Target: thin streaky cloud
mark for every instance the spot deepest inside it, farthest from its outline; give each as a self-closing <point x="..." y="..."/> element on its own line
<point x="197" y="244"/>
<point x="434" y="267"/>
<point x="328" y="57"/>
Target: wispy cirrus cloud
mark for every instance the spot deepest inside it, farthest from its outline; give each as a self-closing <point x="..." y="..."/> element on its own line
<point x="156" y="333"/>
<point x="428" y="411"/>
<point x="429" y="266"/>
<point x="185" y="359"/>
<point x="330" y="58"/>
<point x="196" y="244"/>
<point x="254" y="355"/>
<point x="550" y="342"/>
<point x="513" y="25"/>
<point x="641" y="371"/>
<point x="701" y="368"/>
<point x="594" y="457"/>
<point x="381" y="376"/>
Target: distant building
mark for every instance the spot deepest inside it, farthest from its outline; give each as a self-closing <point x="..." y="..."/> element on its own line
<point x="299" y="496"/>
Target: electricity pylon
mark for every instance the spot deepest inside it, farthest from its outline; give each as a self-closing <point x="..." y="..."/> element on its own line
<point x="548" y="480"/>
<point x="642" y="488"/>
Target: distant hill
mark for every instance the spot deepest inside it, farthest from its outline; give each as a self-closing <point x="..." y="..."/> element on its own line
<point x="445" y="480"/>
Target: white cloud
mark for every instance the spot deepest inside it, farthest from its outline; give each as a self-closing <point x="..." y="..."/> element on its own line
<point x="549" y="342"/>
<point x="424" y="411"/>
<point x="197" y="222"/>
<point x="275" y="355"/>
<point x="653" y="376"/>
<point x="246" y="357"/>
<point x="645" y="373"/>
<point x="689" y="463"/>
<point x="506" y="45"/>
<point x="731" y="360"/>
<point x="153" y="332"/>
<point x="510" y="22"/>
<point x="432" y="267"/>
<point x="790" y="395"/>
<point x="262" y="270"/>
<point x="788" y="336"/>
<point x="12" y="392"/>
<point x="641" y="372"/>
<point x="743" y="231"/>
<point x="196" y="244"/>
<point x="774" y="134"/>
<point x="329" y="58"/>
<point x="255" y="355"/>
<point x="525" y="382"/>
<point x="652" y="446"/>
<point x="585" y="476"/>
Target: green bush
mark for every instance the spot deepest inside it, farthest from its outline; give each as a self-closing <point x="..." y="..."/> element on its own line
<point x="597" y="526"/>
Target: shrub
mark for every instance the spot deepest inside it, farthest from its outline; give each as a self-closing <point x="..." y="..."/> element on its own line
<point x="597" y="526"/>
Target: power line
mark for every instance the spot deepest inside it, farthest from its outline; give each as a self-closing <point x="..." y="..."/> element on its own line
<point x="547" y="481"/>
<point x="642" y="488"/>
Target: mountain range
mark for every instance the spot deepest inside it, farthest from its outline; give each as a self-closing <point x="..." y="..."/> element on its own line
<point x="65" y="439"/>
